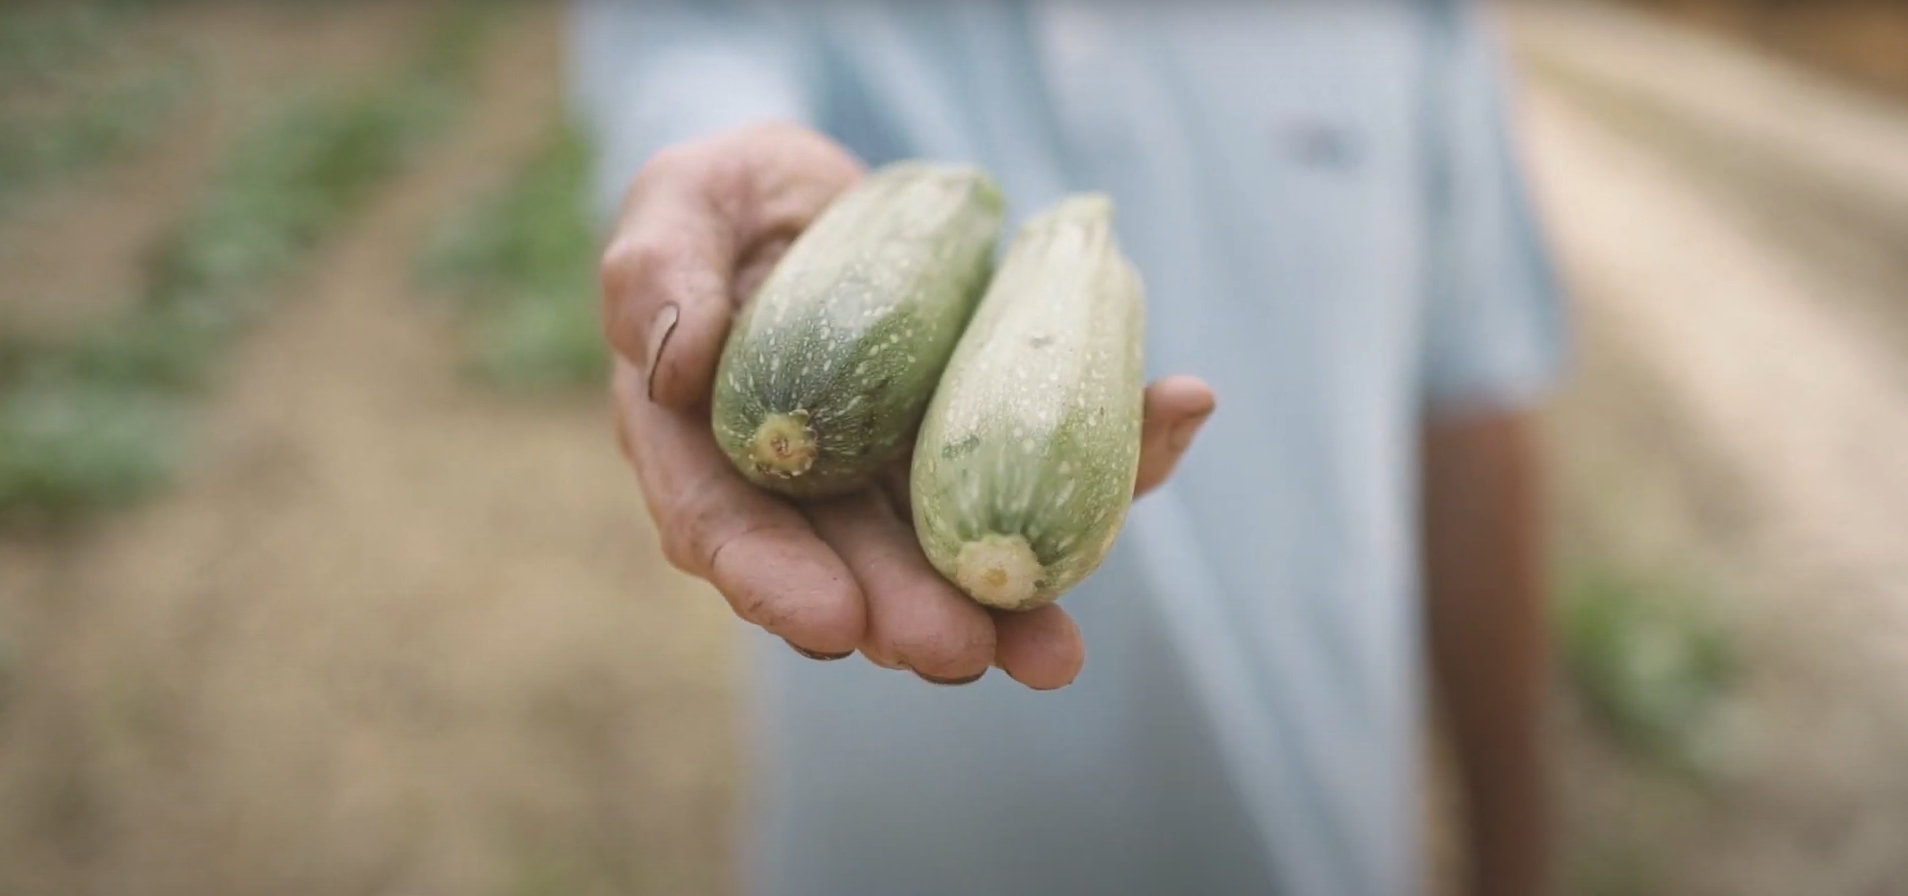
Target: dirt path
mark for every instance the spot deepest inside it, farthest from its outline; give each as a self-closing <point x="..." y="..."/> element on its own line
<point x="388" y="635"/>
<point x="1805" y="162"/>
<point x="1746" y="409"/>
<point x="1809" y="409"/>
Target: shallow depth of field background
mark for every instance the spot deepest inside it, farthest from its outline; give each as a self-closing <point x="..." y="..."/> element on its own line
<point x="320" y="572"/>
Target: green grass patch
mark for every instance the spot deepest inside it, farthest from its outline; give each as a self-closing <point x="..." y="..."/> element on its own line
<point x="1649" y="662"/>
<point x="73" y="95"/>
<point x="69" y="448"/>
<point x="520" y="268"/>
<point x="94" y="421"/>
<point x="40" y="147"/>
<point x="39" y="42"/>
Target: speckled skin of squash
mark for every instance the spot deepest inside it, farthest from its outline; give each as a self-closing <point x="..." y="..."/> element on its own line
<point x="829" y="367"/>
<point x="1026" y="460"/>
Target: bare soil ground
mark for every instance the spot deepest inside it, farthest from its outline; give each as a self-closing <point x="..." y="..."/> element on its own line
<point x="388" y="635"/>
<point x="1862" y="40"/>
<point x="1742" y="404"/>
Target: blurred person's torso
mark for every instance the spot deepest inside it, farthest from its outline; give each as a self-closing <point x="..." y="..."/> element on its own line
<point x="1249" y="707"/>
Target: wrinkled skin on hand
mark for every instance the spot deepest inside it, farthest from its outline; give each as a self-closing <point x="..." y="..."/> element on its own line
<point x="701" y="225"/>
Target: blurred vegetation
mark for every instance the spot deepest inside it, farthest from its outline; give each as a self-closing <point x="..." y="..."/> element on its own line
<point x="94" y="420"/>
<point x="67" y="102"/>
<point x="40" y="41"/>
<point x="1650" y="664"/>
<point x="69" y="446"/>
<point x="519" y="267"/>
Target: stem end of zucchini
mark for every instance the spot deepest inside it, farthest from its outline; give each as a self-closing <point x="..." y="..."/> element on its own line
<point x="783" y="446"/>
<point x="999" y="571"/>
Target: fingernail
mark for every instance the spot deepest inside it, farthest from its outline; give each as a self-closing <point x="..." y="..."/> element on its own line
<point x="819" y="657"/>
<point x="660" y="329"/>
<point x="952" y="682"/>
<point x="1183" y="433"/>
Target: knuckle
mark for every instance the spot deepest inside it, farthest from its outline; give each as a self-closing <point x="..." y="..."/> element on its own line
<point x="678" y="549"/>
<point x="664" y="167"/>
<point x="680" y="538"/>
<point x="694" y="529"/>
<point x="669" y="536"/>
<point x="728" y="176"/>
<point x="673" y="160"/>
<point x="612" y="273"/>
<point x="627" y="263"/>
<point x="676" y="558"/>
<point x="657" y="171"/>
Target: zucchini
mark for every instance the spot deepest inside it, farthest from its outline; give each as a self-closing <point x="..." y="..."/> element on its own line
<point x="1026" y="460"/>
<point x="827" y="370"/>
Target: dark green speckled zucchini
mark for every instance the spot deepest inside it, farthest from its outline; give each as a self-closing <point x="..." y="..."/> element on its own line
<point x="829" y="367"/>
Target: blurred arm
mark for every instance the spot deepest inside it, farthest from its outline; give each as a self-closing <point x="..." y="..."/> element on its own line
<point x="1488" y="631"/>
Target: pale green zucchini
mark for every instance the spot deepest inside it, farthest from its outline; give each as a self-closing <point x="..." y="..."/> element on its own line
<point x="1025" y="464"/>
<point x="829" y="367"/>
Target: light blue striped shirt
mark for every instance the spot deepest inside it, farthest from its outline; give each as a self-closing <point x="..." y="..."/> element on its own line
<point x="1329" y="216"/>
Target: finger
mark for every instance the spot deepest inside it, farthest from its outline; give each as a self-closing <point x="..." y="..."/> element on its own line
<point x="757" y="550"/>
<point x="666" y="290"/>
<point x="1176" y="408"/>
<point x="701" y="226"/>
<point x="788" y="174"/>
<point x="1040" y="648"/>
<point x="916" y="618"/>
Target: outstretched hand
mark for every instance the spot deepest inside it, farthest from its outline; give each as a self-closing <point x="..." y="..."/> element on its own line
<point x="700" y="228"/>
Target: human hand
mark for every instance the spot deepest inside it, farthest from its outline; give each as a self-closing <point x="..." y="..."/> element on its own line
<point x="700" y="228"/>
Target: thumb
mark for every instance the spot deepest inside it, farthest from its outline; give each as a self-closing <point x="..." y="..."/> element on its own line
<point x="1176" y="408"/>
